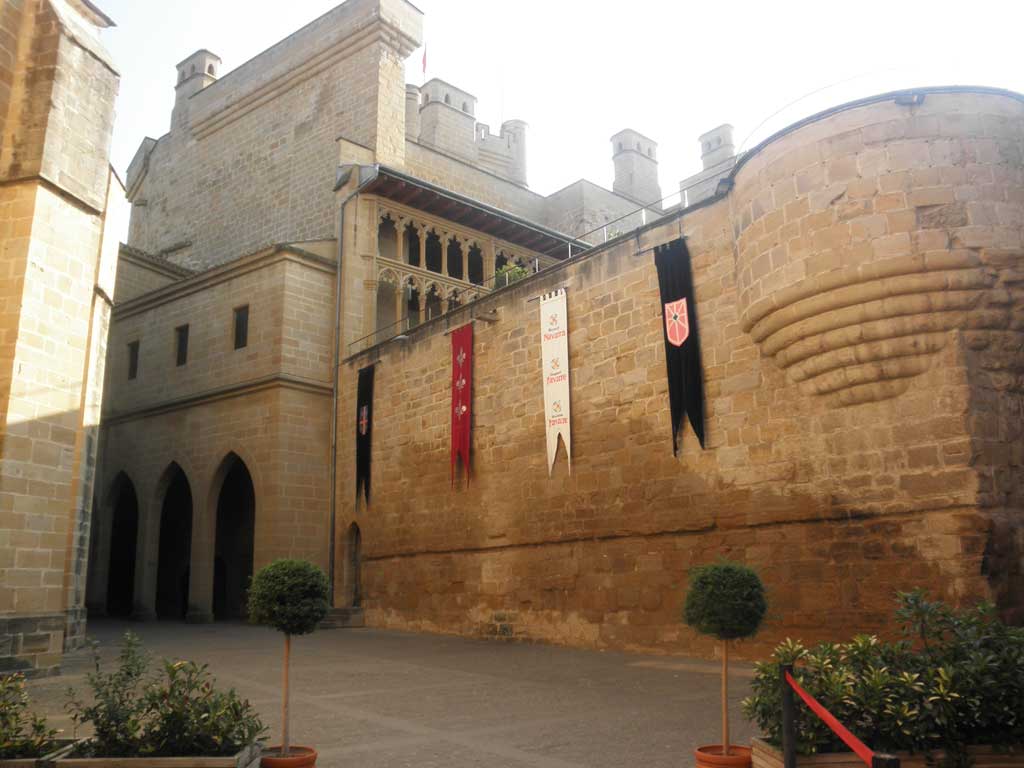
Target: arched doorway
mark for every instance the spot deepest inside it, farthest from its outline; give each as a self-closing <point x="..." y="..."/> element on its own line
<point x="124" y="534"/>
<point x="172" y="573"/>
<point x="353" y="566"/>
<point x="233" y="545"/>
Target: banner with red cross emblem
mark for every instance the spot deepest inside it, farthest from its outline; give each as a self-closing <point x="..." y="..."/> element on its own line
<point x="462" y="396"/>
<point x="554" y="350"/>
<point x="682" y="339"/>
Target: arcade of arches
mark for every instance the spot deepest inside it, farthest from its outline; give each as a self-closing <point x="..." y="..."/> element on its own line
<point x="163" y="535"/>
<point x="427" y="267"/>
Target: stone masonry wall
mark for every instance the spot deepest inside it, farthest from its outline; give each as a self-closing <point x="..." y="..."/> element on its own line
<point x="57" y="101"/>
<point x="838" y="463"/>
<point x="268" y="403"/>
<point x="254" y="166"/>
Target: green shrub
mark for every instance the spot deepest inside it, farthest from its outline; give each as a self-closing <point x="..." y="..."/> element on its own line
<point x="117" y="710"/>
<point x="956" y="680"/>
<point x="290" y="596"/>
<point x="725" y="600"/>
<point x="188" y="716"/>
<point x="134" y="713"/>
<point x="21" y="734"/>
<point x="510" y="273"/>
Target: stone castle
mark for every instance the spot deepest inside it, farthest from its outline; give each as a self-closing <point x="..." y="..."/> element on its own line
<point x="859" y="287"/>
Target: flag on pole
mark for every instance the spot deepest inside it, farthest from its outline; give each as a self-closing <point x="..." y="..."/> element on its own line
<point x="424" y="60"/>
<point x="682" y="343"/>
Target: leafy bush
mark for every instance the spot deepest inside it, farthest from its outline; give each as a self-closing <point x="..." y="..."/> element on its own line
<point x="956" y="680"/>
<point x="510" y="273"/>
<point x="188" y="716"/>
<point x="725" y="600"/>
<point x="134" y="713"/>
<point x="117" y="711"/>
<point x="21" y="734"/>
<point x="290" y="596"/>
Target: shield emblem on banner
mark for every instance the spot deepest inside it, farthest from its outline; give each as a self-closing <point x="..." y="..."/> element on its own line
<point x="677" y="325"/>
<point x="364" y="419"/>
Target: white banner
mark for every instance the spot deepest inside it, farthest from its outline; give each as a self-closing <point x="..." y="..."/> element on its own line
<point x="554" y="350"/>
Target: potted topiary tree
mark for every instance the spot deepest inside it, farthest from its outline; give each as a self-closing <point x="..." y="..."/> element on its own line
<point x="291" y="597"/>
<point x="725" y="600"/>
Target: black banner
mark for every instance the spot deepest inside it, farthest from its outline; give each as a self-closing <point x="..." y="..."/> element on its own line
<point x="364" y="430"/>
<point x="682" y="342"/>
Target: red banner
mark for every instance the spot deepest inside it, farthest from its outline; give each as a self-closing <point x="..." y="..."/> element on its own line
<point x="462" y="395"/>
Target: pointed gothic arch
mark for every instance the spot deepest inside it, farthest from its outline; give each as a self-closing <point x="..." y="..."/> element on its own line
<point x="234" y="537"/>
<point x="174" y="546"/>
<point x="123" y="502"/>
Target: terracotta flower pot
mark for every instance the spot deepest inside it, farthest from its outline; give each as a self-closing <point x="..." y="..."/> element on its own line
<point x="298" y="757"/>
<point x="711" y="756"/>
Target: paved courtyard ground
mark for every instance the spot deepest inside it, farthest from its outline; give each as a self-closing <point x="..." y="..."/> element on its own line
<point x="371" y="698"/>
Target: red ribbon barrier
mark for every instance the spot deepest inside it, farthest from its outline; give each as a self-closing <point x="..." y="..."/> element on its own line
<point x="858" y="746"/>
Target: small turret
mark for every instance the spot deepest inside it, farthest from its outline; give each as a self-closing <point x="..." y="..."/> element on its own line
<point x="515" y="132"/>
<point x="716" y="146"/>
<point x="636" y="167"/>
<point x="194" y="73"/>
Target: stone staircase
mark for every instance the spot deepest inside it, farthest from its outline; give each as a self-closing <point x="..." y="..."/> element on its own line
<point x="343" y="618"/>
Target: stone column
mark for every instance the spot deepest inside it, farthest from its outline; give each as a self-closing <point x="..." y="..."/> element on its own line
<point x="99" y="562"/>
<point x="489" y="268"/>
<point x="444" y="253"/>
<point x="423" y="246"/>
<point x="146" y="559"/>
<point x="399" y="303"/>
<point x="465" y="260"/>
<point x="204" y="542"/>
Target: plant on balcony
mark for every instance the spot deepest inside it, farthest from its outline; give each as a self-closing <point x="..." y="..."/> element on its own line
<point x="291" y="597"/>
<point x="726" y="600"/>
<point x="510" y="273"/>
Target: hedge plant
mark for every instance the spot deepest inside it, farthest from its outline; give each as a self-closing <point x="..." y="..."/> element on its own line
<point x="175" y="712"/>
<point x="22" y="734"/>
<point x="955" y="680"/>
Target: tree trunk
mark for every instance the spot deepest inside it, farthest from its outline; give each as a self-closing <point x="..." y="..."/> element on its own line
<point x="285" y="739"/>
<point x="725" y="697"/>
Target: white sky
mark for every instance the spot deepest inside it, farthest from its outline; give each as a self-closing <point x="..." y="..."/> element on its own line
<point x="578" y="71"/>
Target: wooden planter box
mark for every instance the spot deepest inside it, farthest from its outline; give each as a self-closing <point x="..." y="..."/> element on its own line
<point x="247" y="758"/>
<point x="764" y="755"/>
<point x="63" y="747"/>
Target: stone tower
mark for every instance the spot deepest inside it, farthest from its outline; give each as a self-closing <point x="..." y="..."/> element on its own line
<point x="59" y="254"/>
<point x="636" y="167"/>
<point x="194" y="73"/>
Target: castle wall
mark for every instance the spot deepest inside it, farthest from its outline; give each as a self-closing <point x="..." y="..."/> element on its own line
<point x="859" y="314"/>
<point x="585" y="209"/>
<point x="425" y="163"/>
<point x="267" y="403"/>
<point x="254" y="166"/>
<point x="57" y="102"/>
